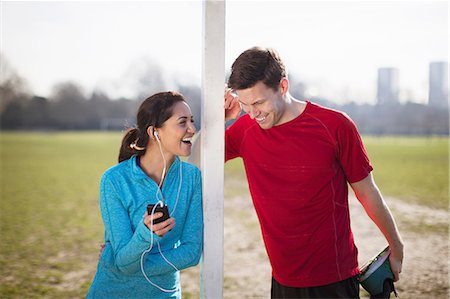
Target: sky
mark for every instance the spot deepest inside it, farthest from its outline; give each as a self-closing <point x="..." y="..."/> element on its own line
<point x="334" y="47"/>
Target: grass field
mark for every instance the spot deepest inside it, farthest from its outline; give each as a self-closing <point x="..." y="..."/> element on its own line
<point x="413" y="168"/>
<point x="49" y="216"/>
<point x="49" y="210"/>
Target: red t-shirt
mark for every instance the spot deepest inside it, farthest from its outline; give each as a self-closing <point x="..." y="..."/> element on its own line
<point x="297" y="174"/>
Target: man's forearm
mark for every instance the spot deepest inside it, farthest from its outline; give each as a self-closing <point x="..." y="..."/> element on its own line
<point x="370" y="197"/>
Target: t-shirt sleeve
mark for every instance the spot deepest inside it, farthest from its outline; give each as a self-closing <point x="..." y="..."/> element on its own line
<point x="233" y="139"/>
<point x="351" y="152"/>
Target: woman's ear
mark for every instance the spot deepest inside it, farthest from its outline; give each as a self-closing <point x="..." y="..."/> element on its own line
<point x="150" y="130"/>
<point x="152" y="133"/>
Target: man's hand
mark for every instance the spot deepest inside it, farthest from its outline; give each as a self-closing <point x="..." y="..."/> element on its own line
<point x="370" y="197"/>
<point x="102" y="247"/>
<point x="232" y="105"/>
<point x="396" y="261"/>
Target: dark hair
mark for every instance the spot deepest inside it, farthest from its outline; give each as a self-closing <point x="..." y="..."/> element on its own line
<point x="254" y="65"/>
<point x="153" y="111"/>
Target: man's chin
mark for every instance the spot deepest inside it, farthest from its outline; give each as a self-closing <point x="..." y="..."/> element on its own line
<point x="265" y="126"/>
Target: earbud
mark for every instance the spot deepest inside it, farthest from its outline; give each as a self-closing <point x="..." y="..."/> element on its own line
<point x="155" y="133"/>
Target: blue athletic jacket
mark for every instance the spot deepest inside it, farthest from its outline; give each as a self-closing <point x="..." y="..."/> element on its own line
<point x="125" y="191"/>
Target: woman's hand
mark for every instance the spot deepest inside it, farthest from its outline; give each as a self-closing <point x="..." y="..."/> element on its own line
<point x="160" y="229"/>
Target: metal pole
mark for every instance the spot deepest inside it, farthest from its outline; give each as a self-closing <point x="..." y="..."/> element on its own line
<point x="212" y="145"/>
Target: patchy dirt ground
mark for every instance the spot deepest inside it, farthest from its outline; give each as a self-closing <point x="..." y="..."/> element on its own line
<point x="424" y="230"/>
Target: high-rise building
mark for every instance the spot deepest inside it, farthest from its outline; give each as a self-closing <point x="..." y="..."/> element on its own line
<point x="388" y="89"/>
<point x="438" y="84"/>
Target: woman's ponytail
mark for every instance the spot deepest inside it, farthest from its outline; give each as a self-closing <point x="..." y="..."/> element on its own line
<point x="130" y="145"/>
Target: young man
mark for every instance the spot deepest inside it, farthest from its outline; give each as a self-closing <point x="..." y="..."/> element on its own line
<point x="299" y="157"/>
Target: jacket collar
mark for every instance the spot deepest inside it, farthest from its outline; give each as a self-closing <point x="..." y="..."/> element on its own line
<point x="139" y="174"/>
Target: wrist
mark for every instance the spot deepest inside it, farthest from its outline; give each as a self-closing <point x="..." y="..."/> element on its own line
<point x="397" y="248"/>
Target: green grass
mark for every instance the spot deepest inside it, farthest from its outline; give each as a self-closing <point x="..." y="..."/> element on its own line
<point x="50" y="224"/>
<point x="51" y="229"/>
<point x="412" y="168"/>
<point x="415" y="169"/>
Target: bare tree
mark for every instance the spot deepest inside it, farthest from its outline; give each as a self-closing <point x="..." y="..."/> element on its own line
<point x="145" y="77"/>
<point x="69" y="107"/>
<point x="12" y="86"/>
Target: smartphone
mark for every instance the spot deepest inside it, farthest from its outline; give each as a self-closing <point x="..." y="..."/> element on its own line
<point x="162" y="209"/>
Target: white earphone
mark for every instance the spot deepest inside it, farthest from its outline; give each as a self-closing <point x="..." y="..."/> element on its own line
<point x="161" y="202"/>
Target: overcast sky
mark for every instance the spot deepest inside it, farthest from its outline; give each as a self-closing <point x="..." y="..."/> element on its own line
<point x="335" y="47"/>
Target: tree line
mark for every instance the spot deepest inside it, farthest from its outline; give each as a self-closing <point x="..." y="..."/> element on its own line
<point x="69" y="109"/>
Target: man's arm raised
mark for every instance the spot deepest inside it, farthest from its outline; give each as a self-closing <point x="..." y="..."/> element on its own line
<point x="232" y="110"/>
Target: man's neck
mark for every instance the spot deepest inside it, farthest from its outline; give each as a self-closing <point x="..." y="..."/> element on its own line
<point x="293" y="109"/>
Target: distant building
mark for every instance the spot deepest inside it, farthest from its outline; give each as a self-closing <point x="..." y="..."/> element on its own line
<point x="438" y="84"/>
<point x="387" y="90"/>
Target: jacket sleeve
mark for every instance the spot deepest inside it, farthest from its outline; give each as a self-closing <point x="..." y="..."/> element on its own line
<point x="188" y="253"/>
<point x="127" y="246"/>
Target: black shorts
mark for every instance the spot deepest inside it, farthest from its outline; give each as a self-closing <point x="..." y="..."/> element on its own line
<point x="348" y="288"/>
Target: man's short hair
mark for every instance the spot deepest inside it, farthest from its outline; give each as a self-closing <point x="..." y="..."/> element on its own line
<point x="254" y="65"/>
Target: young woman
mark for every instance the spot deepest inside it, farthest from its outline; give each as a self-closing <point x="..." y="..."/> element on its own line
<point x="142" y="258"/>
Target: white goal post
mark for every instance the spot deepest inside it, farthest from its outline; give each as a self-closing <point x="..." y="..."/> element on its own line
<point x="212" y="147"/>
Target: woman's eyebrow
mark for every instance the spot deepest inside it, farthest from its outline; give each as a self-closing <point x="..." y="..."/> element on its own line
<point x="184" y="117"/>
